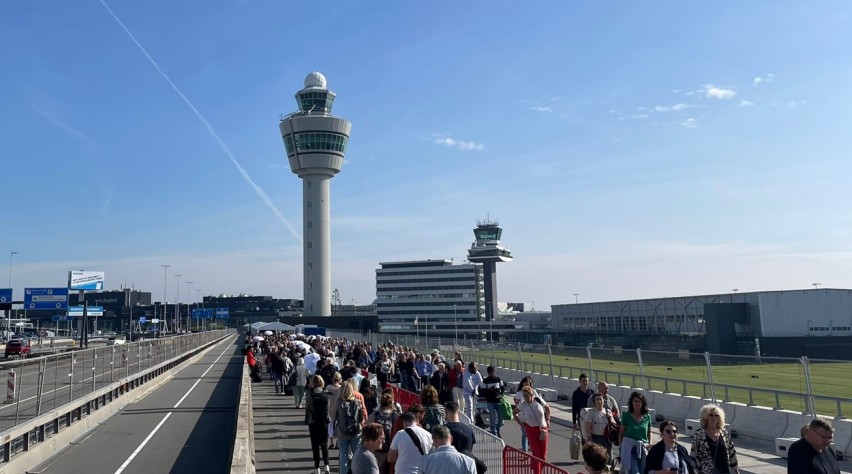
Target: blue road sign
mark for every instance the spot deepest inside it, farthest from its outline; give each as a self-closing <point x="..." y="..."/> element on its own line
<point x="202" y="314"/>
<point x="222" y="313"/>
<point x="5" y="295"/>
<point x="62" y="318"/>
<point x="143" y="320"/>
<point x="45" y="298"/>
<point x="90" y="311"/>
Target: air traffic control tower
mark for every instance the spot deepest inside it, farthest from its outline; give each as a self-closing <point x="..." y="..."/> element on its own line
<point x="488" y="251"/>
<point x="316" y="142"/>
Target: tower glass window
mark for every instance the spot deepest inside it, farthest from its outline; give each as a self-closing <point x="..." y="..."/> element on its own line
<point x="316" y="101"/>
<point x="316" y="142"/>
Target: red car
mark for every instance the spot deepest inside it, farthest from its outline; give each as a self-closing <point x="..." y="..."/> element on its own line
<point x="17" y="347"/>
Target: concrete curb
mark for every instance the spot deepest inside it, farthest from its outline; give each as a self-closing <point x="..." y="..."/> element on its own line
<point x="243" y="460"/>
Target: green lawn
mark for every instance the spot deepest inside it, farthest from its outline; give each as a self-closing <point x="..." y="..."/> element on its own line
<point x="828" y="379"/>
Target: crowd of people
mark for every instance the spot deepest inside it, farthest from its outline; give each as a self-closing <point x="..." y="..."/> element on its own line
<point x="330" y="379"/>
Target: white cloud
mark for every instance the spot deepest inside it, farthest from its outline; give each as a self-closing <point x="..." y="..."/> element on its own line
<point x="556" y="98"/>
<point x="677" y="107"/>
<point x="539" y="108"/>
<point x="689" y="123"/>
<point x="746" y="103"/>
<point x="639" y="116"/>
<point x="460" y="144"/>
<point x="723" y="93"/>
<point x="763" y="79"/>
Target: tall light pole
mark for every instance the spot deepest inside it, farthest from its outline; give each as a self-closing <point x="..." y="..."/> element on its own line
<point x="177" y="302"/>
<point x="816" y="285"/>
<point x="165" y="281"/>
<point x="9" y="311"/>
<point x="576" y="298"/>
<point x="188" y="303"/>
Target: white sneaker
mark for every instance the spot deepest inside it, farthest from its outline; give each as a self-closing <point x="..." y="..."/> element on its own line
<point x="327" y="470"/>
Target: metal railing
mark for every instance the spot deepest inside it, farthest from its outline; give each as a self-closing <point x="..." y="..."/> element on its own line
<point x="804" y="385"/>
<point x="516" y="461"/>
<point x="69" y="386"/>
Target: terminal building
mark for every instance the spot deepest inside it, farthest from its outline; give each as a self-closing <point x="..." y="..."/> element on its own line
<point x="793" y="323"/>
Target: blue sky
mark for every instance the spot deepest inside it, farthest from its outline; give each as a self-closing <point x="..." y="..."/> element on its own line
<point x="628" y="149"/>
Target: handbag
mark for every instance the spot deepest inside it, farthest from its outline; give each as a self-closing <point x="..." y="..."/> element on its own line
<point x="505" y="409"/>
<point x="574" y="446"/>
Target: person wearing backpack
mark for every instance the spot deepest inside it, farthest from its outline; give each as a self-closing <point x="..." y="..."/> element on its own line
<point x="492" y="388"/>
<point x="435" y="414"/>
<point x="385" y="416"/>
<point x="316" y="417"/>
<point x="350" y="419"/>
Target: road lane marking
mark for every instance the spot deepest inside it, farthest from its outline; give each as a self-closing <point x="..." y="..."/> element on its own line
<point x="151" y="435"/>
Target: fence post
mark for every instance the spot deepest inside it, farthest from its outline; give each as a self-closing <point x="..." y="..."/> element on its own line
<point x="493" y="352"/>
<point x="811" y="406"/>
<point x="589" y="357"/>
<point x="42" y="367"/>
<point x="550" y="356"/>
<point x="710" y="377"/>
<point x="519" y="356"/>
<point x="642" y="378"/>
<point x="94" y="367"/>
<point x="71" y="378"/>
<point x="18" y="397"/>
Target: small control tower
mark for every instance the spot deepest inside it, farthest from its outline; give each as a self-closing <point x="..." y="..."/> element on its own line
<point x="488" y="251"/>
<point x="316" y="142"/>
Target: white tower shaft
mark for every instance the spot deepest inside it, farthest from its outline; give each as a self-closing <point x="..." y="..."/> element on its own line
<point x="316" y="244"/>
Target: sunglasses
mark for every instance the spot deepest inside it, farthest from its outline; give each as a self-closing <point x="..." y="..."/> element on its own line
<point x="714" y="415"/>
<point x="671" y="432"/>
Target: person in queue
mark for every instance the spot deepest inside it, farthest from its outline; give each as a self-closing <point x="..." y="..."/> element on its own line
<point x="610" y="403"/>
<point x="580" y="398"/>
<point x="316" y="417"/>
<point x="595" y="459"/>
<point x="409" y="446"/>
<point x="712" y="446"/>
<point x="597" y="420"/>
<point x="365" y="461"/>
<point x="668" y="456"/>
<point x="527" y="381"/>
<point x="301" y="381"/>
<point x="349" y="442"/>
<point x="813" y="454"/>
<point x="493" y="387"/>
<point x="530" y="416"/>
<point x="463" y="435"/>
<point x="445" y="459"/>
<point x="471" y="380"/>
<point x="441" y="381"/>
<point x="635" y="436"/>
<point x="332" y="391"/>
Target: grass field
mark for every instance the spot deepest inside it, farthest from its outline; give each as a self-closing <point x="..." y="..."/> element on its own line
<point x="829" y="379"/>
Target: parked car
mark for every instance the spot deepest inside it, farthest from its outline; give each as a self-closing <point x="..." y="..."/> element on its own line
<point x="17" y="348"/>
<point x="115" y="341"/>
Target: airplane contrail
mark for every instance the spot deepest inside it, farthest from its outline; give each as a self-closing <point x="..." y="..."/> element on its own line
<point x="257" y="189"/>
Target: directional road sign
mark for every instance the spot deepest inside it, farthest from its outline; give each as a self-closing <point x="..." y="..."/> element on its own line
<point x="202" y="314"/>
<point x="5" y="295"/>
<point x="62" y="318"/>
<point x="143" y="320"/>
<point x="45" y="298"/>
<point x="222" y="313"/>
<point x="90" y="311"/>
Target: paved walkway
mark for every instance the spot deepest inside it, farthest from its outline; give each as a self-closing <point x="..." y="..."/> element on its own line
<point x="282" y="444"/>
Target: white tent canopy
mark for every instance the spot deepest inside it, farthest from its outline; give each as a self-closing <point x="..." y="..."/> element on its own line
<point x="276" y="327"/>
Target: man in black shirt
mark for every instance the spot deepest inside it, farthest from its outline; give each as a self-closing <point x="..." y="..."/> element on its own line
<point x="813" y="454"/>
<point x="580" y="399"/>
<point x="463" y="437"/>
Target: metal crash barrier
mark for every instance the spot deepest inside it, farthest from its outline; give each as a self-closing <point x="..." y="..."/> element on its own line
<point x="516" y="461"/>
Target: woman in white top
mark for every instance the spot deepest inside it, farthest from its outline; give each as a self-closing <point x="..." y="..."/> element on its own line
<point x="530" y="415"/>
<point x="597" y="420"/>
<point x="528" y="382"/>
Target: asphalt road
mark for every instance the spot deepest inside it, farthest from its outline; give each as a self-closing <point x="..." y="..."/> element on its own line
<point x="71" y="375"/>
<point x="186" y="425"/>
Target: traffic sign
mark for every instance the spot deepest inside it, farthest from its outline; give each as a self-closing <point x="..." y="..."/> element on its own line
<point x="222" y="313"/>
<point x="62" y="318"/>
<point x="143" y="320"/>
<point x="5" y="295"/>
<point x="90" y="311"/>
<point x="83" y="280"/>
<point x="155" y="321"/>
<point x="45" y="298"/>
<point x="202" y="314"/>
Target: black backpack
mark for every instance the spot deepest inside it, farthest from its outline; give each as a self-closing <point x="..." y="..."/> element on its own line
<point x="386" y="420"/>
<point x="350" y="423"/>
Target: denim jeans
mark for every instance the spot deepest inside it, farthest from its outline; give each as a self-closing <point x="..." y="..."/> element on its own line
<point x="347" y="449"/>
<point x="279" y="383"/>
<point x="495" y="422"/>
<point x="525" y="443"/>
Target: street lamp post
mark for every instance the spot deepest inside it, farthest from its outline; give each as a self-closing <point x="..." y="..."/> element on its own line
<point x="165" y="281"/>
<point x="9" y="311"/>
<point x="576" y="298"/>
<point x="177" y="303"/>
<point x="456" y="321"/>
<point x="188" y="303"/>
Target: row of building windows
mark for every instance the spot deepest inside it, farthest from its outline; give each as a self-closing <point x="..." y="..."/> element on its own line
<point x="429" y="272"/>
<point x="316" y="100"/>
<point x="430" y="296"/>
<point x="380" y="289"/>
<point x="316" y="141"/>
<point x="382" y="281"/>
<point x="827" y="328"/>
<point x="415" y="313"/>
<point x="424" y="304"/>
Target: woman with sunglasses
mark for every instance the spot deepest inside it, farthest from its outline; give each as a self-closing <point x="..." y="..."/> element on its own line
<point x="668" y="456"/>
<point x="712" y="447"/>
